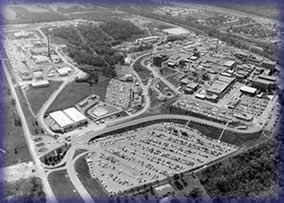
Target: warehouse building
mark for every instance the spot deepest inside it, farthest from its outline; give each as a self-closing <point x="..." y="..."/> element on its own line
<point x="39" y="51"/>
<point x="62" y="120"/>
<point x="248" y="90"/>
<point x="21" y="34"/>
<point x="67" y="119"/>
<point x="220" y="86"/>
<point x="263" y="84"/>
<point x="64" y="71"/>
<point x="150" y="39"/>
<point x="269" y="64"/>
<point x="194" y="86"/>
<point x="268" y="78"/>
<point x="76" y="116"/>
<point x="41" y="59"/>
<point x="40" y="83"/>
<point x="38" y="75"/>
<point x="230" y="64"/>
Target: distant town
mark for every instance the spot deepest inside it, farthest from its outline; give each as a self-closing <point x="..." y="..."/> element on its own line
<point x="156" y="101"/>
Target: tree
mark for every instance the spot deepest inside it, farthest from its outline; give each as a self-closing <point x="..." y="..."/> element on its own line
<point x="195" y="193"/>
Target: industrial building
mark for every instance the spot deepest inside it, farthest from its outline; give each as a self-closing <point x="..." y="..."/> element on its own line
<point x="67" y="119"/>
<point x="76" y="116"/>
<point x="40" y="83"/>
<point x="22" y="34"/>
<point x="263" y="84"/>
<point x="269" y="64"/>
<point x="62" y="120"/>
<point x="230" y="64"/>
<point x="38" y="75"/>
<point x="220" y="85"/>
<point x="39" y="51"/>
<point x="40" y="59"/>
<point x="248" y="90"/>
<point x="64" y="71"/>
<point x="194" y="86"/>
<point x="159" y="59"/>
<point x="150" y="39"/>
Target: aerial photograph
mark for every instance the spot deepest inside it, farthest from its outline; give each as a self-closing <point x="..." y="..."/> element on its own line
<point x="155" y="100"/>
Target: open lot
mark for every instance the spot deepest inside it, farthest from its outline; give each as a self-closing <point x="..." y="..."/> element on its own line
<point x="62" y="187"/>
<point x="14" y="140"/>
<point x="152" y="153"/>
<point x="75" y="92"/>
<point x="166" y="72"/>
<point x="38" y="96"/>
<point x="92" y="186"/>
<point x="142" y="71"/>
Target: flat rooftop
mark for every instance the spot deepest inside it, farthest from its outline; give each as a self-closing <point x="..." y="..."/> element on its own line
<point x="61" y="119"/>
<point x="74" y="114"/>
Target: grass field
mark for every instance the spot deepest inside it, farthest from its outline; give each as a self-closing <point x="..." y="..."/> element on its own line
<point x="3" y="53"/>
<point x="142" y="71"/>
<point x="38" y="96"/>
<point x="28" y="115"/>
<point x="75" y="92"/>
<point x="14" y="141"/>
<point x="175" y="79"/>
<point x="165" y="72"/>
<point x="63" y="188"/>
<point x="94" y="188"/>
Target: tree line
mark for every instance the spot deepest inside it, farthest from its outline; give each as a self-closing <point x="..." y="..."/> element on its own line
<point x="245" y="175"/>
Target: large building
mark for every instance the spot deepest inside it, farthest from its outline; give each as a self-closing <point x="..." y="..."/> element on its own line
<point x="159" y="59"/>
<point x="150" y="39"/>
<point x="40" y="83"/>
<point x="67" y="119"/>
<point x="76" y="116"/>
<point x="62" y="120"/>
<point x="40" y="59"/>
<point x="21" y="34"/>
<point x="221" y="85"/>
<point x="39" y="51"/>
<point x="262" y="84"/>
<point x="248" y="90"/>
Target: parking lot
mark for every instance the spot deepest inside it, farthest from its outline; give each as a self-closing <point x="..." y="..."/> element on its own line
<point x="204" y="109"/>
<point x="118" y="93"/>
<point x="126" y="160"/>
<point x="252" y="106"/>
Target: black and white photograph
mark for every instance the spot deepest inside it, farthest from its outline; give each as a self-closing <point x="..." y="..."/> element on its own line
<point x="140" y="101"/>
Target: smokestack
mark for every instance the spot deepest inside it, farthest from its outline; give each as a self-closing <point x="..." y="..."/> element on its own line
<point x="49" y="42"/>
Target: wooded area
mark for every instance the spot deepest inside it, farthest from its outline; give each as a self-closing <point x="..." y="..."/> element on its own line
<point x="246" y="175"/>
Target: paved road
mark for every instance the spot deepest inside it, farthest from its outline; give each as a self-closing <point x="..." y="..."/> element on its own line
<point x="110" y="128"/>
<point x="29" y="140"/>
<point x="82" y="143"/>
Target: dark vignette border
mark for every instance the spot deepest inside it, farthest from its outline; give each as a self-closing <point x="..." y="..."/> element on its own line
<point x="279" y="3"/>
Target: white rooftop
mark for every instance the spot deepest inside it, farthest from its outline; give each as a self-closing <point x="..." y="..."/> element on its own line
<point x="74" y="114"/>
<point x="176" y="31"/>
<point x="229" y="63"/>
<point x="61" y="119"/>
<point x="248" y="89"/>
